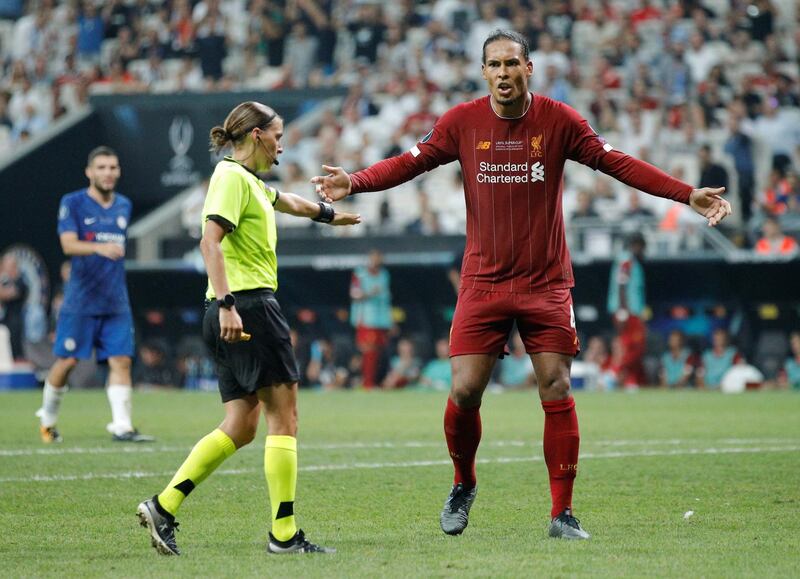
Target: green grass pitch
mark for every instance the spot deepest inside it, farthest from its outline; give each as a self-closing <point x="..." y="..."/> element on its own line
<point x="374" y="473"/>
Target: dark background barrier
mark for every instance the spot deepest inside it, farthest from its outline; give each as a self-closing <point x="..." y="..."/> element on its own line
<point x="755" y="296"/>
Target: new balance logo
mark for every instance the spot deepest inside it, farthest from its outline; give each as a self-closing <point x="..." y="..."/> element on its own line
<point x="483" y="145"/>
<point x="537" y="172"/>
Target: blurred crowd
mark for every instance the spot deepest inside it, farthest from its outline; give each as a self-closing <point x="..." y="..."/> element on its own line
<point x="705" y="89"/>
<point x="378" y="345"/>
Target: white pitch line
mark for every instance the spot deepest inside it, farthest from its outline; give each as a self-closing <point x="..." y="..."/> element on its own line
<point x="148" y="449"/>
<point x="406" y="464"/>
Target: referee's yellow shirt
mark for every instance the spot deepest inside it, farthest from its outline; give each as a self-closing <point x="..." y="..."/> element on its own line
<point x="241" y="198"/>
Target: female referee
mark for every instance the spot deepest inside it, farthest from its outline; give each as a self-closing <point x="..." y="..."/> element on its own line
<point x="244" y="327"/>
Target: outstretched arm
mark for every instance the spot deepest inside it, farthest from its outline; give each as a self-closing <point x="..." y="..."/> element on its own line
<point x="300" y="207"/>
<point x="645" y="177"/>
<point x="338" y="184"/>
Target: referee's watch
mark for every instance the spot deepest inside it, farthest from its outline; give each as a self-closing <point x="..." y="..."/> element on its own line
<point x="227" y="302"/>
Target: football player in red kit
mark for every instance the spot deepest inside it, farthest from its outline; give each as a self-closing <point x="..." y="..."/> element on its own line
<point x="512" y="146"/>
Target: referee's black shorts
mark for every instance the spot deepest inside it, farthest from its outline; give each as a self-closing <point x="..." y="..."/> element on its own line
<point x="266" y="359"/>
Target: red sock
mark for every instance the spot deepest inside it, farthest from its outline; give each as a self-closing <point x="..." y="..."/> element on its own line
<point x="369" y="367"/>
<point x="462" y="429"/>
<point x="561" y="443"/>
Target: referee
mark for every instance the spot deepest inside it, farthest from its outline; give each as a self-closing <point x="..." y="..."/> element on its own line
<point x="244" y="327"/>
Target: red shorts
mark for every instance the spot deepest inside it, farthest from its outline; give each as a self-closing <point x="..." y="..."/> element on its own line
<point x="483" y="321"/>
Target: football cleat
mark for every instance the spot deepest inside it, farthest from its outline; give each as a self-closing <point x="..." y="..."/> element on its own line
<point x="132" y="436"/>
<point x="162" y="526"/>
<point x="297" y="544"/>
<point x="565" y="526"/>
<point x="50" y="434"/>
<point x="455" y="514"/>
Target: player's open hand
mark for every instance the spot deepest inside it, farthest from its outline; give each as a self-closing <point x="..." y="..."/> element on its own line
<point x="708" y="203"/>
<point x="346" y="219"/>
<point x="113" y="251"/>
<point x="230" y="325"/>
<point x="333" y="186"/>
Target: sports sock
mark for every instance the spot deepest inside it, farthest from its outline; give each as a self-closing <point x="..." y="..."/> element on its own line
<point x="119" y="397"/>
<point x="462" y="429"/>
<point x="561" y="442"/>
<point x="280" y="468"/>
<point x="51" y="404"/>
<point x="209" y="452"/>
<point x="369" y="368"/>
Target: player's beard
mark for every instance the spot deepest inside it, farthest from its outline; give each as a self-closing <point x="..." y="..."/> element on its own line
<point x="508" y="101"/>
<point x="102" y="190"/>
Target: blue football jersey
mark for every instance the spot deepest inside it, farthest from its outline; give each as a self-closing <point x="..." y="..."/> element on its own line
<point x="97" y="284"/>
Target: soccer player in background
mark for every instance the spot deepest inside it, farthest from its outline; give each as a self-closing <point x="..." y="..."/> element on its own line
<point x="244" y="328"/>
<point x="626" y="303"/>
<point x="371" y="314"/>
<point x="96" y="312"/>
<point x="512" y="146"/>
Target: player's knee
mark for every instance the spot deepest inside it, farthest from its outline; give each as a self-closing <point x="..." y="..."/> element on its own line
<point x="69" y="363"/>
<point x="466" y="395"/>
<point x="556" y="387"/>
<point x="283" y="424"/>
<point x="120" y="363"/>
<point x="244" y="434"/>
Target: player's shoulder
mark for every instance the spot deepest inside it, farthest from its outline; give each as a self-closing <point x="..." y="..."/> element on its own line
<point x="554" y="110"/>
<point x="228" y="169"/>
<point x="123" y="200"/>
<point x="73" y="197"/>
<point x="471" y="108"/>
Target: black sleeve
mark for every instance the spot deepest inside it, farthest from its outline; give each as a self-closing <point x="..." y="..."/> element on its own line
<point x="222" y="222"/>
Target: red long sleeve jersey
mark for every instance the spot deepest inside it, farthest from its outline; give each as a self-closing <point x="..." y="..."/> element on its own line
<point x="513" y="179"/>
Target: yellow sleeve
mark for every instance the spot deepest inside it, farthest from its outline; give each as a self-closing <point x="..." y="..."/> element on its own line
<point x="228" y="195"/>
<point x="272" y="194"/>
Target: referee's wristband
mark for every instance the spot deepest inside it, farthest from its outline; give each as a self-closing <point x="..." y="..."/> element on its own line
<point x="326" y="213"/>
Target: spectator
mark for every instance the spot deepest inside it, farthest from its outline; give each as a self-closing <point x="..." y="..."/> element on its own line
<point x="740" y="147"/>
<point x="676" y="363"/>
<point x="584" y="210"/>
<point x="437" y="373"/>
<point x="324" y="367"/>
<point x="716" y="360"/>
<point x="711" y="174"/>
<point x="790" y="375"/>
<point x="371" y="313"/>
<point x="774" y="242"/>
<point x="301" y="51"/>
<point x="516" y="370"/>
<point x="13" y="293"/>
<point x="404" y="368"/>
<point x="211" y="42"/>
<point x="635" y="210"/>
<point x="367" y="30"/>
<point x="153" y="366"/>
<point x="775" y="199"/>
<point x="91" y="31"/>
<point x="779" y="129"/>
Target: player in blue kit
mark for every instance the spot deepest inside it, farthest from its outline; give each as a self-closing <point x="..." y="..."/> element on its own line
<point x="96" y="313"/>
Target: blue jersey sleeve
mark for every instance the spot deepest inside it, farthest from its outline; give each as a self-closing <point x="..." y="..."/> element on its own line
<point x="67" y="215"/>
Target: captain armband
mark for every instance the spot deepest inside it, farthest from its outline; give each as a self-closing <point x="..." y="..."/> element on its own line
<point x="326" y="213"/>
